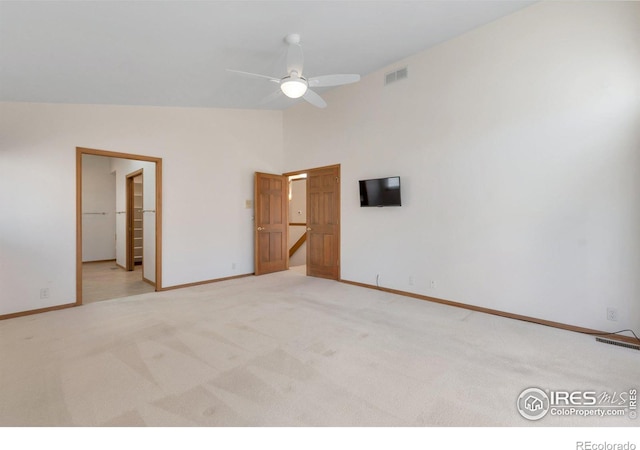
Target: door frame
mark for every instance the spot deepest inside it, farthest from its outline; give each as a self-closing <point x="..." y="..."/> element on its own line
<point x="129" y="253"/>
<point x="80" y="151"/>
<point x="339" y="202"/>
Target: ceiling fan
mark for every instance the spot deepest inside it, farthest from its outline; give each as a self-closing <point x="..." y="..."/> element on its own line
<point x="295" y="84"/>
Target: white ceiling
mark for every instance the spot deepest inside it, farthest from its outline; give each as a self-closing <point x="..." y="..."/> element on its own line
<point x="174" y="53"/>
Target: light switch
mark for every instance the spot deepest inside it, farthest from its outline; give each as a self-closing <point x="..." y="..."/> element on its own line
<point x="248" y="204"/>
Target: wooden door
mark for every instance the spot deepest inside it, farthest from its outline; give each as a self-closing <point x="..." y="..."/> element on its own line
<point x="323" y="222"/>
<point x="271" y="223"/>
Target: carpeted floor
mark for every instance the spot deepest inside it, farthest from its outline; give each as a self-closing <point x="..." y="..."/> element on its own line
<point x="290" y="350"/>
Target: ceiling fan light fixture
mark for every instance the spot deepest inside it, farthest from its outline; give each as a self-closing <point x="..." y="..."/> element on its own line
<point x="294" y="86"/>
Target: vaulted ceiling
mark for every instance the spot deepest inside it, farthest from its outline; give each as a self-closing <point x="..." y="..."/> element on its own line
<point x="174" y="53"/>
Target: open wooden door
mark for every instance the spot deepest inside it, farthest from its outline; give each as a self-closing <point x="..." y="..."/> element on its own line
<point x="323" y="222"/>
<point x="271" y="222"/>
<point x="134" y="219"/>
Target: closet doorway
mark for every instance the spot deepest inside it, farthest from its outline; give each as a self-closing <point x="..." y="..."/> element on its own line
<point x="118" y="240"/>
<point x="135" y="220"/>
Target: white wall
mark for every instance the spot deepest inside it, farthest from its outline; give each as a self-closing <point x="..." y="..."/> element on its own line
<point x="518" y="145"/>
<point x="98" y="197"/>
<point x="209" y="158"/>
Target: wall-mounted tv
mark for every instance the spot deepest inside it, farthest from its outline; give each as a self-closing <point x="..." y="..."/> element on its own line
<point x="380" y="192"/>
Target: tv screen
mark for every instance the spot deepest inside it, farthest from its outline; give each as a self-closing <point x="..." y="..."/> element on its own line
<point x="380" y="192"/>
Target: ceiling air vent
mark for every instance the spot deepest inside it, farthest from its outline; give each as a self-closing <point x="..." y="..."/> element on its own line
<point x="398" y="75"/>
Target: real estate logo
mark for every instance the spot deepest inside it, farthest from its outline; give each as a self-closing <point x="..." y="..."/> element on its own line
<point x="535" y="403"/>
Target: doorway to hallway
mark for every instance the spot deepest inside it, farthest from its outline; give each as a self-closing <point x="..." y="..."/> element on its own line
<point x="322" y="222"/>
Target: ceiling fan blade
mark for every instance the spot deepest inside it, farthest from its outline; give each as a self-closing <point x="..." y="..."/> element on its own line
<point x="271" y="97"/>
<point x="254" y="75"/>
<point x="295" y="59"/>
<point x="333" y="80"/>
<point x="314" y="99"/>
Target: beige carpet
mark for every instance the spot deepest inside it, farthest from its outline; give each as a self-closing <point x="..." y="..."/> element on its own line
<point x="290" y="350"/>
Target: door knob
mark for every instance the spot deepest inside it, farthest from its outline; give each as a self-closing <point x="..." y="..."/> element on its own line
<point x="260" y="228"/>
<point x="308" y="228"/>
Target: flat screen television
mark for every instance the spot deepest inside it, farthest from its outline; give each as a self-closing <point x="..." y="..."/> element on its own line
<point x="380" y="192"/>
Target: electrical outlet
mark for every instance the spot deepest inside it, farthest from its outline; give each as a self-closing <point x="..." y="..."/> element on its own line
<point x="612" y="314"/>
<point x="433" y="284"/>
<point x="233" y="266"/>
<point x="44" y="293"/>
<point x="411" y="280"/>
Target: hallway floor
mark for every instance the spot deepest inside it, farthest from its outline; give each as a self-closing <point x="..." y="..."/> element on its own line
<point x="105" y="280"/>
